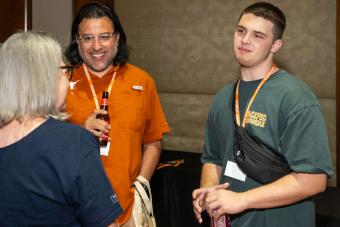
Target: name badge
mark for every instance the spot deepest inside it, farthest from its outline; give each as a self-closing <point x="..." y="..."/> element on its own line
<point x="105" y="150"/>
<point x="232" y="170"/>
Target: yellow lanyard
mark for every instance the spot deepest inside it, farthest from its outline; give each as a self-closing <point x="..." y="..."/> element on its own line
<point x="272" y="70"/>
<point x="95" y="98"/>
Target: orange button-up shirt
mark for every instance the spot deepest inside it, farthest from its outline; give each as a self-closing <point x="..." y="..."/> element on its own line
<point x="136" y="118"/>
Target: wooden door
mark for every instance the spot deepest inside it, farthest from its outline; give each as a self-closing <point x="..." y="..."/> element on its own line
<point x="12" y="17"/>
<point x="338" y="92"/>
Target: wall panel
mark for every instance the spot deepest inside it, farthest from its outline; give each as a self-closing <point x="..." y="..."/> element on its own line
<point x="187" y="48"/>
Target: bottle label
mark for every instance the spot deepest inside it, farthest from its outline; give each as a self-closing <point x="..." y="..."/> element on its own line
<point x="105" y="102"/>
<point x="222" y="221"/>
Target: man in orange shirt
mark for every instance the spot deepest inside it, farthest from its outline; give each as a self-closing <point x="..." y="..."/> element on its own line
<point x="99" y="54"/>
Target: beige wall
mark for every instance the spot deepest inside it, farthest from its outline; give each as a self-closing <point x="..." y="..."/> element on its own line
<point x="53" y="16"/>
<point x="187" y="47"/>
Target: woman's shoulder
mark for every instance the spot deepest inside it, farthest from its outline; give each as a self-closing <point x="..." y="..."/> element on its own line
<point x="72" y="135"/>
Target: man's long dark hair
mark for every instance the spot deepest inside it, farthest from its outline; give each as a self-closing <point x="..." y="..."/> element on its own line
<point x="96" y="11"/>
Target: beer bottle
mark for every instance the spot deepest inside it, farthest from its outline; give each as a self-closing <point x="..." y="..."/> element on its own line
<point x="103" y="139"/>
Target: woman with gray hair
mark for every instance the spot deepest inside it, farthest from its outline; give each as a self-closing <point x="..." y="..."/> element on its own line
<point x="50" y="171"/>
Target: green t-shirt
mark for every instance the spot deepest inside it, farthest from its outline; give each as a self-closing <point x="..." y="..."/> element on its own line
<point x="287" y="117"/>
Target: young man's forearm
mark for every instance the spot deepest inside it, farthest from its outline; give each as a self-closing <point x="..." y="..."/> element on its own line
<point x="210" y="175"/>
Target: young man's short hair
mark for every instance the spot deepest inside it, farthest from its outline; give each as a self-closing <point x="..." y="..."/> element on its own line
<point x="271" y="13"/>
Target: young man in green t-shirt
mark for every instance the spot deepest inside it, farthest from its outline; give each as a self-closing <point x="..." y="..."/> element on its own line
<point x="278" y="110"/>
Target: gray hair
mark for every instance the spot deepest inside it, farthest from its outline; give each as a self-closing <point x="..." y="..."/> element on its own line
<point x="29" y="76"/>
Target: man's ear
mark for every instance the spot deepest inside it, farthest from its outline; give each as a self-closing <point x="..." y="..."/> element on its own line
<point x="276" y="46"/>
<point x="117" y="37"/>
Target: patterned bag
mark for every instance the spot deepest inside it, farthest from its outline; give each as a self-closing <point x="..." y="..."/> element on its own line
<point x="142" y="211"/>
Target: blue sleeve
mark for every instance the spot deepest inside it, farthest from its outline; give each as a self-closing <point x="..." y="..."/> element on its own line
<point x="97" y="203"/>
